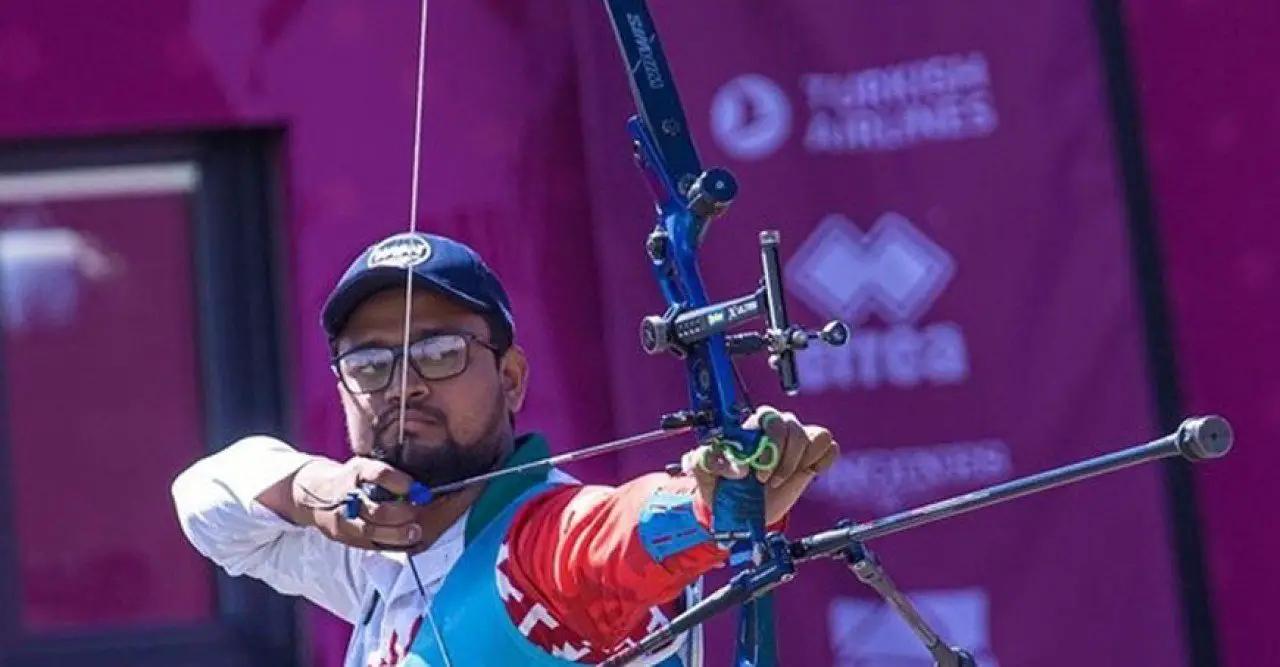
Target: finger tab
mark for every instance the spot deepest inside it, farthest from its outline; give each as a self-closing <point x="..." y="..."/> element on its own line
<point x="378" y="494"/>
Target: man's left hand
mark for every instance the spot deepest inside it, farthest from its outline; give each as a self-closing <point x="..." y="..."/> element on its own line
<point x="803" y="452"/>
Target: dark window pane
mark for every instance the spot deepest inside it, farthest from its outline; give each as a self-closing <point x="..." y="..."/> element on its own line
<point x="103" y="388"/>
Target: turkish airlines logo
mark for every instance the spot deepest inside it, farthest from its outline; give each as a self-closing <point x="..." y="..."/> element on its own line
<point x="896" y="106"/>
<point x="894" y="270"/>
<point x="750" y="117"/>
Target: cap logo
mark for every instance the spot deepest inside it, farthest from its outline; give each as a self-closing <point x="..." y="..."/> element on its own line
<point x="400" y="251"/>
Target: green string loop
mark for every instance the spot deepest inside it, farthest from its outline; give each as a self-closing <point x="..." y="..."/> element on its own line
<point x="752" y="460"/>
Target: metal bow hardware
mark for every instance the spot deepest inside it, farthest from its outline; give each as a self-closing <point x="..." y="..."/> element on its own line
<point x="702" y="334"/>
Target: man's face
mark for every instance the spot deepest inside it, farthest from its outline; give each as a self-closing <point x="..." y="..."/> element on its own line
<point x="453" y="428"/>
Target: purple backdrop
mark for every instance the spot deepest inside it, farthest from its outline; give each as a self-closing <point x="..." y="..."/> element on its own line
<point x="1208" y="107"/>
<point x="945" y="182"/>
<point x="917" y="140"/>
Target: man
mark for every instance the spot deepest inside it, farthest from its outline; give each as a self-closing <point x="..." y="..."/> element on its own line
<point x="530" y="568"/>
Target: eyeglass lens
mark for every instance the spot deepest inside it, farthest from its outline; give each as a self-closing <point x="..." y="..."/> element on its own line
<point x="436" y="358"/>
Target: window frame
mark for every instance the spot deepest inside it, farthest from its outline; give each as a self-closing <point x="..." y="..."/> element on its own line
<point x="239" y="270"/>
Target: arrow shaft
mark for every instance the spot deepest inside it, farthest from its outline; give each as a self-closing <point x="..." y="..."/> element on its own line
<point x="566" y="458"/>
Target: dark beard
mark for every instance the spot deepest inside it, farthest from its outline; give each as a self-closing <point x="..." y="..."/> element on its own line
<point x="447" y="461"/>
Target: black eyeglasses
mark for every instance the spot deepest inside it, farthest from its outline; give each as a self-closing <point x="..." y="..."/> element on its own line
<point x="437" y="356"/>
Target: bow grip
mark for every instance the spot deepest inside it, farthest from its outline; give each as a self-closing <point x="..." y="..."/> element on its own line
<point x="783" y="357"/>
<point x="737" y="508"/>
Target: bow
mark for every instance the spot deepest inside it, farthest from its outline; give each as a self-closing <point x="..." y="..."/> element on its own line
<point x="701" y="333"/>
<point x="695" y="330"/>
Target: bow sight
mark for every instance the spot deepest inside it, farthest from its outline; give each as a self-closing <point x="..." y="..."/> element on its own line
<point x="680" y="327"/>
<point x="688" y="199"/>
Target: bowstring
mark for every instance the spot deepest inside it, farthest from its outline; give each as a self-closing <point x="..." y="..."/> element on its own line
<point x="413" y="212"/>
<point x="420" y="94"/>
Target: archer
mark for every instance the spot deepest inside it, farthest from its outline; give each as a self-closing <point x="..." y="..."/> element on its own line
<point x="533" y="568"/>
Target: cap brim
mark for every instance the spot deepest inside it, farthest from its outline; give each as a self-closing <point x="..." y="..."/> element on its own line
<point x="350" y="296"/>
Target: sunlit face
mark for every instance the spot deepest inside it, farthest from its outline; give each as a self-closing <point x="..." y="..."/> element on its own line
<point x="457" y="419"/>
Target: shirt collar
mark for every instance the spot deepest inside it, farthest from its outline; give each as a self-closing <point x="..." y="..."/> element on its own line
<point x="500" y="492"/>
<point x="385" y="569"/>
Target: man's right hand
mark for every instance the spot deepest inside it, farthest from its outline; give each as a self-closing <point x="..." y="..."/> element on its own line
<point x="314" y="489"/>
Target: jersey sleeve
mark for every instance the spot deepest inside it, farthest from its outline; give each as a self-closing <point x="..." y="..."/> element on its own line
<point x="597" y="563"/>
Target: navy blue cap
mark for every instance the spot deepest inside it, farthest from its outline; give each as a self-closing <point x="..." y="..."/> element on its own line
<point x="439" y="264"/>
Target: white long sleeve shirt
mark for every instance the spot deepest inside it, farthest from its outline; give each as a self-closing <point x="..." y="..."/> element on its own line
<point x="374" y="591"/>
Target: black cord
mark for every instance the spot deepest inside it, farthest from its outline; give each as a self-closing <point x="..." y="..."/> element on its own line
<point x="325" y="505"/>
<point x="742" y="384"/>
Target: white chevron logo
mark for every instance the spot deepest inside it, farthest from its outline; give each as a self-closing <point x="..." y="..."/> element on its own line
<point x="894" y="270"/>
